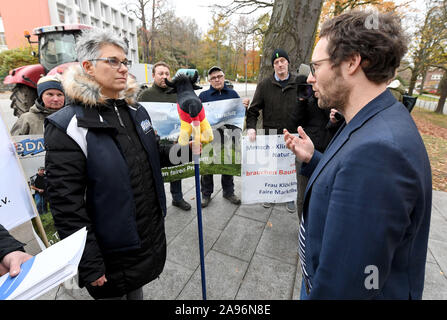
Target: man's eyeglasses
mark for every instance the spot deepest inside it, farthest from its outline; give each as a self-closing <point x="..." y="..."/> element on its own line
<point x="114" y="62"/>
<point x="220" y="76"/>
<point x="312" y="65"/>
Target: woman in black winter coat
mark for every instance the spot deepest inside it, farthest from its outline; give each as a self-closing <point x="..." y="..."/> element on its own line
<point x="103" y="164"/>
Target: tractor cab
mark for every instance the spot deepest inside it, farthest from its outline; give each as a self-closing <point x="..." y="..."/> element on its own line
<point x="56" y="48"/>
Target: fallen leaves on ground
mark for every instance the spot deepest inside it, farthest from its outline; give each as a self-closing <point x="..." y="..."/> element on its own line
<point x="435" y="140"/>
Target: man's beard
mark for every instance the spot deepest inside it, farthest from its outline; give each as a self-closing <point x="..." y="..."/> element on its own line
<point x="336" y="93"/>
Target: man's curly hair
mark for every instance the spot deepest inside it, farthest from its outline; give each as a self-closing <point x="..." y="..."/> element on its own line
<point x="377" y="37"/>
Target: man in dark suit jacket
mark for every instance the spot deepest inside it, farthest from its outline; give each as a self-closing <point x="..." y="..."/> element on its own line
<point x="367" y="206"/>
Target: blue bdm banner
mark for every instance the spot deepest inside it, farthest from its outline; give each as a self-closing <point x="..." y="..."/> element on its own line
<point x="223" y="155"/>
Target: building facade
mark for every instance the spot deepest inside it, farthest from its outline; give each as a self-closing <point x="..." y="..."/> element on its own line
<point x="432" y="80"/>
<point x="16" y="16"/>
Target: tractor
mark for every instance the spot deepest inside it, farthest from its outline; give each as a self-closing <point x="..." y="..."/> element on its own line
<point x="56" y="51"/>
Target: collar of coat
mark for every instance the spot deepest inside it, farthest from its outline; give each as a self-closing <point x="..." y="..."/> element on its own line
<point x="82" y="88"/>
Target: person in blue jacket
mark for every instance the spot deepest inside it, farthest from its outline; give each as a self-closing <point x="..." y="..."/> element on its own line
<point x="367" y="205"/>
<point x="218" y="91"/>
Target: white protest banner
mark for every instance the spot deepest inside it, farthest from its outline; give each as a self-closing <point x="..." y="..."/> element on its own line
<point x="16" y="206"/>
<point x="268" y="170"/>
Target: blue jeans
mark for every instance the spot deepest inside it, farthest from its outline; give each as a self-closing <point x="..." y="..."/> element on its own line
<point x="40" y="203"/>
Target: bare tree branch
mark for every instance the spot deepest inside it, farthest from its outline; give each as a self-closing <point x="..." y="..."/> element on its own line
<point x="238" y="6"/>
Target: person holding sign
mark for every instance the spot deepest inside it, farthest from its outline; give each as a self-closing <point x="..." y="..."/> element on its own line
<point x="367" y="206"/>
<point x="276" y="97"/>
<point x="157" y="93"/>
<point x="103" y="164"/>
<point x="218" y="91"/>
<point x="12" y="254"/>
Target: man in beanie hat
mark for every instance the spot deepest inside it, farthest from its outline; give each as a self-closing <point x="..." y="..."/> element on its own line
<point x="50" y="98"/>
<point x="279" y="53"/>
<point x="276" y="97"/>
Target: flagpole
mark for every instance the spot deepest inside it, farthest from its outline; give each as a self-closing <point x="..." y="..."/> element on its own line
<point x="196" y="159"/>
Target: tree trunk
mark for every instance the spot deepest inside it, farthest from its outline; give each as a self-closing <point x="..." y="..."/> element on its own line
<point x="152" y="40"/>
<point x="292" y="27"/>
<point x="144" y="34"/>
<point x="414" y="76"/>
<point x="424" y="76"/>
<point x="443" y="92"/>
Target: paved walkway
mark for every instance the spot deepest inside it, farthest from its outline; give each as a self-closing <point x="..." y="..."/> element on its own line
<point x="251" y="253"/>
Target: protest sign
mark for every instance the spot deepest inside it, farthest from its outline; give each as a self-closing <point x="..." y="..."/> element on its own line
<point x="16" y="204"/>
<point x="31" y="153"/>
<point x="222" y="156"/>
<point x="268" y="170"/>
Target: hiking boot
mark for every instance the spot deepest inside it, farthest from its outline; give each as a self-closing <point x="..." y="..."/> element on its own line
<point x="205" y="201"/>
<point x="290" y="206"/>
<point x="233" y="199"/>
<point x="182" y="204"/>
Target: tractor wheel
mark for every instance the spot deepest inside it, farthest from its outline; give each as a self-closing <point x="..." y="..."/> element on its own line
<point x="22" y="98"/>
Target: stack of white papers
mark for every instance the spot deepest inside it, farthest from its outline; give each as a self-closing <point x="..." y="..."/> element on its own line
<point x="46" y="270"/>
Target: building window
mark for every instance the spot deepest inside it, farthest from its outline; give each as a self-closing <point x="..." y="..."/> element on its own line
<point x="95" y="22"/>
<point x="103" y="11"/>
<point x="61" y="12"/>
<point x="2" y="39"/>
<point x="91" y="5"/>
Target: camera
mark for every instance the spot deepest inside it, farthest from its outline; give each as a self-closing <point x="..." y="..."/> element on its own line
<point x="338" y="116"/>
<point x="304" y="91"/>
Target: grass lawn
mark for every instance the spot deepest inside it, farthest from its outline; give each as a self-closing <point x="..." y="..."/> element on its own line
<point x="433" y="129"/>
<point x="426" y="98"/>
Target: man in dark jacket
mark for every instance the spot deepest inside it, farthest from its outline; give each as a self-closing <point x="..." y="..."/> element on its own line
<point x="276" y="96"/>
<point x="103" y="167"/>
<point x="319" y="124"/>
<point x="12" y="254"/>
<point x="157" y="93"/>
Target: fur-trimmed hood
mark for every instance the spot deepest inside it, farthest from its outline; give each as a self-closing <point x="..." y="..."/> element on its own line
<point x="80" y="87"/>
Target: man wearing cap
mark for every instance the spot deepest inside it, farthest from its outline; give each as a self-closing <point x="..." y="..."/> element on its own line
<point x="50" y="98"/>
<point x="39" y="185"/>
<point x="157" y="93"/>
<point x="276" y="96"/>
<point x="218" y="91"/>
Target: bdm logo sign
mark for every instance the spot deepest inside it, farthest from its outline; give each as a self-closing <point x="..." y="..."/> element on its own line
<point x="30" y="147"/>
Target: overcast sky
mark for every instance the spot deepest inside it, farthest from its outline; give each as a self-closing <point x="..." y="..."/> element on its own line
<point x="197" y="9"/>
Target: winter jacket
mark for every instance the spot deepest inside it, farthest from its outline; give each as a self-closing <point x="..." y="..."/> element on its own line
<point x="216" y="95"/>
<point x="157" y="94"/>
<point x="32" y="121"/>
<point x="103" y="165"/>
<point x="315" y="122"/>
<point x="276" y="103"/>
<point x="8" y="244"/>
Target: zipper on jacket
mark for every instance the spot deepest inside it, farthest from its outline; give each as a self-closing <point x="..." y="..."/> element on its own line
<point x="119" y="116"/>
